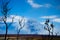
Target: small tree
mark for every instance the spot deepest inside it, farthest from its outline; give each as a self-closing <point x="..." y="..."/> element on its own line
<point x="4" y="12"/>
<point x="52" y="27"/>
<point x="21" y="26"/>
<point x="49" y="27"/>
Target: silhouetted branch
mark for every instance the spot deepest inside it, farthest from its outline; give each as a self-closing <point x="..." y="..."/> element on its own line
<point x="12" y="21"/>
<point x="4" y="12"/>
<point x="21" y="26"/>
<point x="49" y="27"/>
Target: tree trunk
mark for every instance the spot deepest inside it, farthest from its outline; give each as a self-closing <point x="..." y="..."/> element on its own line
<point x="18" y="35"/>
<point x="6" y="30"/>
<point x="49" y="36"/>
<point x="52" y="35"/>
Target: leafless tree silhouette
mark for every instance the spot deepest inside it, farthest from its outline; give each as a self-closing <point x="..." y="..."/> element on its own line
<point x="52" y="28"/>
<point x="49" y="27"/>
<point x="21" y="26"/>
<point x="4" y="10"/>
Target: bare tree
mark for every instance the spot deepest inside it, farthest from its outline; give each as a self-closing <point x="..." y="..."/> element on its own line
<point x="49" y="27"/>
<point x="21" y="26"/>
<point x="4" y="10"/>
<point x="52" y="28"/>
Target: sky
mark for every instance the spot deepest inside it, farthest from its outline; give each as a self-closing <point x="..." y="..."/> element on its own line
<point x="36" y="11"/>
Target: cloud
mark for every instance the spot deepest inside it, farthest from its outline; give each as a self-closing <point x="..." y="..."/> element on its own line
<point x="42" y="23"/>
<point x="56" y="20"/>
<point x="16" y="18"/>
<point x="16" y="23"/>
<point x="26" y="30"/>
<point x="48" y="17"/>
<point x="36" y="5"/>
<point x="53" y="18"/>
<point x="33" y="26"/>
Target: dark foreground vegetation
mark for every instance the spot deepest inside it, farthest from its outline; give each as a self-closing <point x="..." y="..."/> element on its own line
<point x="29" y="37"/>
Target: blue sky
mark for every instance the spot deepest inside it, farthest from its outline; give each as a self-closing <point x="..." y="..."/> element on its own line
<point x="38" y="10"/>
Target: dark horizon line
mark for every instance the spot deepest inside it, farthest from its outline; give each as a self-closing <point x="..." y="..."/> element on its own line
<point x="1" y="35"/>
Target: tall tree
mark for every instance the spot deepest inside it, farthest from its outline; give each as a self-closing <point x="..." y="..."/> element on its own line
<point x="4" y="10"/>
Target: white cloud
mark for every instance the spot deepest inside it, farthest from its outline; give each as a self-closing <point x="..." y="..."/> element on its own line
<point x="35" y="5"/>
<point x="42" y="23"/>
<point x="25" y="29"/>
<point x="56" y="20"/>
<point x="16" y="18"/>
<point x="9" y="19"/>
<point x="48" y="17"/>
<point x="53" y="18"/>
